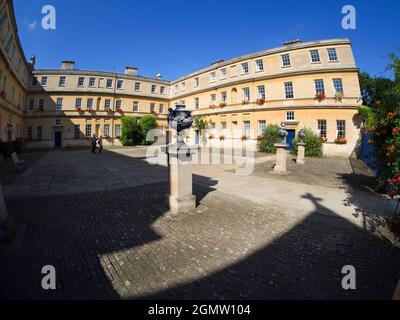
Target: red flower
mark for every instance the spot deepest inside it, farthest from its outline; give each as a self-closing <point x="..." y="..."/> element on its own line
<point x="390" y="115"/>
<point x="392" y="193"/>
<point x="395" y="131"/>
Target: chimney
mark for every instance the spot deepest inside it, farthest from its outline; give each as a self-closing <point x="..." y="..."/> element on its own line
<point x="67" y="65"/>
<point x="292" y="42"/>
<point x="131" y="71"/>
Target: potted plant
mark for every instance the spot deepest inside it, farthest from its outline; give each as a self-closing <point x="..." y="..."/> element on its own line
<point x="260" y="102"/>
<point x="340" y="140"/>
<point x="222" y="104"/>
<point x="222" y="137"/>
<point x="210" y="137"/>
<point x="244" y="138"/>
<point x="79" y="109"/>
<point x="259" y="138"/>
<point x="107" y="109"/>
<point x="338" y="97"/>
<point x="212" y="106"/>
<point x="245" y="101"/>
<point x="320" y="96"/>
<point x="90" y="109"/>
<point x="323" y="139"/>
<point x="119" y="110"/>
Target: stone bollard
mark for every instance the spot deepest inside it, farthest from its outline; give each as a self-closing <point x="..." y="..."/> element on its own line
<point x="301" y="148"/>
<point x="280" y="166"/>
<point x="181" y="196"/>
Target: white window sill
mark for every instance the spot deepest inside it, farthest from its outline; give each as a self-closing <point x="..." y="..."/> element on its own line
<point x="284" y="67"/>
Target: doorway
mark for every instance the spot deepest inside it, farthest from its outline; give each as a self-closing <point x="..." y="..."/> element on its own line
<point x="57" y="139"/>
<point x="289" y="138"/>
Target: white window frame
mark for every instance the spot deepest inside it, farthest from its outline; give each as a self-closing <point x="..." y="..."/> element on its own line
<point x="259" y="65"/>
<point x="88" y="130"/>
<point x="43" y="81"/>
<point x="138" y="86"/>
<point x="59" y="105"/>
<point x="261" y="91"/>
<point x="340" y="128"/>
<point x="196" y="82"/>
<point x="106" y="130"/>
<point x="135" y="106"/>
<point x="111" y="82"/>
<point x="290" y="116"/>
<point x="337" y="81"/>
<point x="332" y="53"/>
<point x="62" y="81"/>
<point x="78" y="102"/>
<point x="315" y="56"/>
<point x="246" y="94"/>
<point x="213" y="77"/>
<point x="117" y="130"/>
<point x="120" y="84"/>
<point x="223" y="73"/>
<point x="81" y="81"/>
<point x="322" y="125"/>
<point x="262" y="124"/>
<point x="92" y="82"/>
<point x="245" y="68"/>
<point x="319" y="86"/>
<point x="286" y="62"/>
<point x="289" y="90"/>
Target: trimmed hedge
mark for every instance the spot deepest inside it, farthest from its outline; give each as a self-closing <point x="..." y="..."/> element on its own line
<point x="269" y="138"/>
<point x="313" y="144"/>
<point x="129" y="131"/>
<point x="147" y="123"/>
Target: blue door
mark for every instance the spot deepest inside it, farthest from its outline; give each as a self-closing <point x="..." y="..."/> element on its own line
<point x="196" y="136"/>
<point x="57" y="139"/>
<point x="289" y="139"/>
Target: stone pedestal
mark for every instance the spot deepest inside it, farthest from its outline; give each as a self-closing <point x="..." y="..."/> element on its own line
<point x="280" y="166"/>
<point x="301" y="147"/>
<point x="181" y="196"/>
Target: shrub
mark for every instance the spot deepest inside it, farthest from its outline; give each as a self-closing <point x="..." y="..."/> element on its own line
<point x="6" y="148"/>
<point x="269" y="138"/>
<point x="313" y="144"/>
<point x="147" y="123"/>
<point x="129" y="131"/>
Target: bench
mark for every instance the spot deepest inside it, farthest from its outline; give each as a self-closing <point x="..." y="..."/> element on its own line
<point x="19" y="163"/>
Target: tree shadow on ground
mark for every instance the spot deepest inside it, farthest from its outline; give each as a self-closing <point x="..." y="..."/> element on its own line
<point x="94" y="238"/>
<point x="73" y="231"/>
<point x="304" y="263"/>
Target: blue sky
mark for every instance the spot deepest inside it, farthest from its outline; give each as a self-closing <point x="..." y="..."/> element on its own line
<point x="176" y="37"/>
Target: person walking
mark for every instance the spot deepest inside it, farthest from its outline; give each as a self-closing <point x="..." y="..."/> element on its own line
<point x="100" y="142"/>
<point x="94" y="140"/>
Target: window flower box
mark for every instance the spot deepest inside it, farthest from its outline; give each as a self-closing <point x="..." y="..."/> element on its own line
<point x="108" y="109"/>
<point x="78" y="109"/>
<point x="260" y="102"/>
<point x="244" y="138"/>
<point x="320" y="97"/>
<point x="153" y="112"/>
<point x="212" y="106"/>
<point x="222" y="137"/>
<point x="119" y="110"/>
<point x="259" y="138"/>
<point x="245" y="101"/>
<point x="339" y="97"/>
<point x="340" y="140"/>
<point x="222" y="104"/>
<point x="90" y="109"/>
<point x="323" y="139"/>
<point x="210" y="137"/>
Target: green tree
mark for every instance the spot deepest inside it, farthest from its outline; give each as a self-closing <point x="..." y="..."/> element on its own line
<point x="129" y="131"/>
<point x="313" y="144"/>
<point x="269" y="138"/>
<point x="147" y="123"/>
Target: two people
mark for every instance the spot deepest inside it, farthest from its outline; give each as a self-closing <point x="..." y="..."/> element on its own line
<point x="96" y="140"/>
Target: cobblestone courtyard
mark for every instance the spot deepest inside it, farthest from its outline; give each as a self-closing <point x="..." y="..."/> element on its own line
<point x="101" y="221"/>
